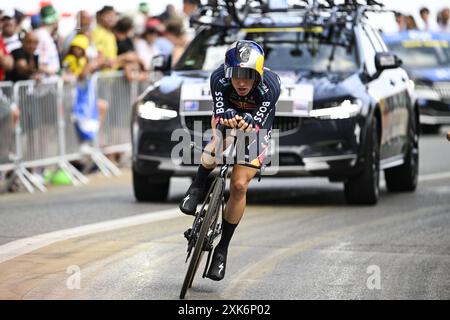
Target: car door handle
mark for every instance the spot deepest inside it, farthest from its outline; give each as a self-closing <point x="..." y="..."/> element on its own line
<point x="392" y="83"/>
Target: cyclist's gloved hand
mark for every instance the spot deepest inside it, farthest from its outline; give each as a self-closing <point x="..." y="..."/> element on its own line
<point x="229" y="114"/>
<point x="229" y="118"/>
<point x="247" y="122"/>
<point x="248" y="118"/>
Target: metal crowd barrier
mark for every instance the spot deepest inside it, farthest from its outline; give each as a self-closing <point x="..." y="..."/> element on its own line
<point x="117" y="91"/>
<point x="40" y="132"/>
<point x="73" y="148"/>
<point x="46" y="135"/>
<point x="7" y="136"/>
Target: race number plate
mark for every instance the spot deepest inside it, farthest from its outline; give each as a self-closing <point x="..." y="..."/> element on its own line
<point x="195" y="98"/>
<point x="295" y="100"/>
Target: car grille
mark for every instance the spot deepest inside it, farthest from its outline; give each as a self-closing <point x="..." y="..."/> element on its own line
<point x="284" y="124"/>
<point x="443" y="88"/>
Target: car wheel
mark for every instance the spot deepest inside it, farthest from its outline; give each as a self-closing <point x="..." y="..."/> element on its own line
<point x="405" y="177"/>
<point x="365" y="187"/>
<point x="150" y="188"/>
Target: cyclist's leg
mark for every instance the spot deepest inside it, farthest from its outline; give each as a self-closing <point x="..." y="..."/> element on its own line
<point x="242" y="175"/>
<point x="198" y="188"/>
<point x="240" y="179"/>
<point x="255" y="152"/>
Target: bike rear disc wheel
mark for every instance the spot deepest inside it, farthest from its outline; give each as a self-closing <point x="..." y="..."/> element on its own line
<point x="213" y="208"/>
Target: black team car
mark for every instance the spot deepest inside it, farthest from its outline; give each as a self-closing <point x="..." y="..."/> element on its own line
<point x="426" y="57"/>
<point x="346" y="112"/>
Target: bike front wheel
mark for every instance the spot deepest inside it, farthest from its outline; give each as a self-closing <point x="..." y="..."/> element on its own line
<point x="207" y="225"/>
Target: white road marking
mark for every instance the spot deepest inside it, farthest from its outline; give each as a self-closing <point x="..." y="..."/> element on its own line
<point x="20" y="247"/>
<point x="434" y="176"/>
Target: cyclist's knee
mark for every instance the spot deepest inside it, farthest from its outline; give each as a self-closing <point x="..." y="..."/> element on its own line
<point x="208" y="161"/>
<point x="239" y="187"/>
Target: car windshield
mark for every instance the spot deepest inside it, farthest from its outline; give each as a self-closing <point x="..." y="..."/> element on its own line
<point x="285" y="51"/>
<point x="422" y="54"/>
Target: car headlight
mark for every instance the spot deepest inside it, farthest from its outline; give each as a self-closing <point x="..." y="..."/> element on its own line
<point x="347" y="109"/>
<point x="150" y="111"/>
<point x="427" y="93"/>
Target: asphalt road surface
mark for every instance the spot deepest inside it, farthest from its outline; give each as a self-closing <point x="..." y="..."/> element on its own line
<point x="297" y="240"/>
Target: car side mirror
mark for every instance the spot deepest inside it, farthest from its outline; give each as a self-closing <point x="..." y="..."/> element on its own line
<point x="387" y="60"/>
<point x="162" y="63"/>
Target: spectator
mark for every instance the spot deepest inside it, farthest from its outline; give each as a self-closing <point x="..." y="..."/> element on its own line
<point x="77" y="66"/>
<point x="410" y="23"/>
<point x="6" y="61"/>
<point x="401" y="21"/>
<point x="76" y="61"/>
<point x="168" y="14"/>
<point x="49" y="63"/>
<point x="122" y="31"/>
<point x="448" y="136"/>
<point x="127" y="59"/>
<point x="6" y="64"/>
<point x="176" y="34"/>
<point x="9" y="116"/>
<point x="189" y="7"/>
<point x="144" y="9"/>
<point x="103" y="37"/>
<point x="35" y="21"/>
<point x="443" y="20"/>
<point x="146" y="47"/>
<point x="163" y="45"/>
<point x="425" y="16"/>
<point x="25" y="59"/>
<point x="84" y="22"/>
<point x="141" y="18"/>
<point x="20" y="17"/>
<point x="84" y="26"/>
<point x="9" y="32"/>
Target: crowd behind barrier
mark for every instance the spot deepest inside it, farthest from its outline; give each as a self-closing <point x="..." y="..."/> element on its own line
<point x="45" y="133"/>
<point x="70" y="95"/>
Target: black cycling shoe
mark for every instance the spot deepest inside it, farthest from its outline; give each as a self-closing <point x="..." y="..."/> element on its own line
<point x="216" y="270"/>
<point x="191" y="199"/>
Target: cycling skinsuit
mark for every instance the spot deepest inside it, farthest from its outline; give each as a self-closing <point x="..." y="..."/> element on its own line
<point x="260" y="103"/>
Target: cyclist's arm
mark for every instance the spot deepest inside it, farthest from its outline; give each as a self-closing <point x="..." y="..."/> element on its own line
<point x="219" y="89"/>
<point x="266" y="105"/>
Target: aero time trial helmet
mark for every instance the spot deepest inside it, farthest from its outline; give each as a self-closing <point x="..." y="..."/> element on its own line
<point x="244" y="59"/>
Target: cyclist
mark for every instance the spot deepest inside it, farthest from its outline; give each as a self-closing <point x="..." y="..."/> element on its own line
<point x="244" y="94"/>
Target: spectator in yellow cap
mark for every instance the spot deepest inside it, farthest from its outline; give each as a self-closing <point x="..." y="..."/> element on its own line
<point x="77" y="65"/>
<point x="76" y="61"/>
